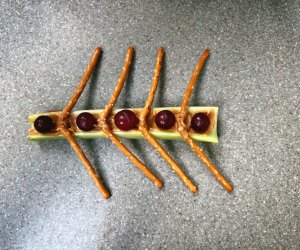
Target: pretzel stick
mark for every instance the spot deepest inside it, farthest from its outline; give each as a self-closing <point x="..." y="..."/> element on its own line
<point x="183" y="130"/>
<point x="204" y="158"/>
<point x="120" y="83"/>
<point x="192" y="83"/>
<point x="62" y="127"/>
<point x="144" y="128"/>
<point x="85" y="161"/>
<point x="107" y="131"/>
<point x="132" y="157"/>
<point x="86" y="76"/>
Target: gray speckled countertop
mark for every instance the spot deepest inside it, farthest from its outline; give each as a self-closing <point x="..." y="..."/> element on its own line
<point x="48" y="200"/>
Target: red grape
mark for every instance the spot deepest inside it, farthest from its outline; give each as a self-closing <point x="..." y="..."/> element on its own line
<point x="165" y="119"/>
<point x="44" y="124"/>
<point x="86" y="121"/>
<point x="200" y="122"/>
<point x="126" y="120"/>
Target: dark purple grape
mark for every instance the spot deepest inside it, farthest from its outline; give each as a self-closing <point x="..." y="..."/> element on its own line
<point x="44" y="124"/>
<point x="86" y="121"/>
<point x="165" y="119"/>
<point x="126" y="120"/>
<point x="200" y="122"/>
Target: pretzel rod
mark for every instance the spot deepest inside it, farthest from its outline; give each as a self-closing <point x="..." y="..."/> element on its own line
<point x="86" y="76"/>
<point x="120" y="83"/>
<point x="182" y="128"/>
<point x="192" y="83"/>
<point x="84" y="160"/>
<point x="62" y="127"/>
<point x="132" y="157"/>
<point x="107" y="131"/>
<point x="207" y="162"/>
<point x="144" y="128"/>
<point x="168" y="159"/>
<point x="149" y="101"/>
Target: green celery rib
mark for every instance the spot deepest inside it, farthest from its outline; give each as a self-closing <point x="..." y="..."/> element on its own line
<point x="135" y="134"/>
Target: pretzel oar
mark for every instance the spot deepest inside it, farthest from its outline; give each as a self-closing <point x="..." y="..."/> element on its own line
<point x="120" y="83"/>
<point x="85" y="161"/>
<point x="62" y="127"/>
<point x="133" y="158"/>
<point x="86" y="76"/>
<point x="207" y="162"/>
<point x="182" y="129"/>
<point x="193" y="80"/>
<point x="144" y="128"/>
<point x="107" y="130"/>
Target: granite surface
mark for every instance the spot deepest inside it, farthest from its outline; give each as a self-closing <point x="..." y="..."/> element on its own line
<point x="47" y="199"/>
